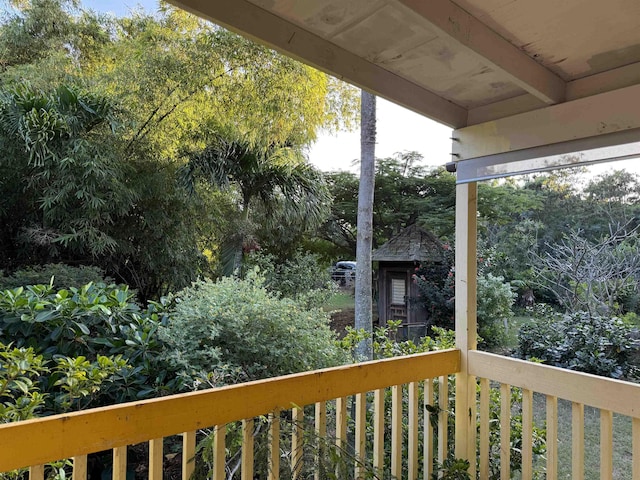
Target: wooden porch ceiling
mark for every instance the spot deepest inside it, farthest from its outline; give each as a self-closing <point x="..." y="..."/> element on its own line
<point x="463" y="63"/>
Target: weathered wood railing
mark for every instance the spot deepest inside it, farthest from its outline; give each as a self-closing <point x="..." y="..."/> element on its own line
<point x="607" y="395"/>
<point x="34" y="443"/>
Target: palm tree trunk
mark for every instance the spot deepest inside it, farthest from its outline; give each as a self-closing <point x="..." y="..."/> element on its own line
<point x="363" y="289"/>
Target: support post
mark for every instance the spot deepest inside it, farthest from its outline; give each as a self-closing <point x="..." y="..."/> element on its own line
<point x="466" y="321"/>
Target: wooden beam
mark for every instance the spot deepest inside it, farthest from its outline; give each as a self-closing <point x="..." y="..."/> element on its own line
<point x="615" y="79"/>
<point x="264" y="27"/>
<point x="593" y="116"/>
<point x="454" y="22"/>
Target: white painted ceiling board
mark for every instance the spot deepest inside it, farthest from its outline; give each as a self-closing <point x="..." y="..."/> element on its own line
<point x="326" y="17"/>
<point x="573" y="38"/>
<point x="458" y="61"/>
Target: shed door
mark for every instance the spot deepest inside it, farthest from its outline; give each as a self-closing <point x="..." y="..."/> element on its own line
<point x="397" y="297"/>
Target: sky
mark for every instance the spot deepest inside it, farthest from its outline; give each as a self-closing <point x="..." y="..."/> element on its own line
<point x="398" y="129"/>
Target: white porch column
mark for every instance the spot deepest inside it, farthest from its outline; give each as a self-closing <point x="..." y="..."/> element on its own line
<point x="465" y="314"/>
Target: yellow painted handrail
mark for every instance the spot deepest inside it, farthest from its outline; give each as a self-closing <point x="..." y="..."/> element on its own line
<point x="43" y="440"/>
<point x="599" y="392"/>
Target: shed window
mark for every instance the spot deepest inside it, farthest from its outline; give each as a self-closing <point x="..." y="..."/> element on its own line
<point x="398" y="291"/>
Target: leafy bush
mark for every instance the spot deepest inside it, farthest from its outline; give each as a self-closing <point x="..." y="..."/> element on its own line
<point x="92" y="321"/>
<point x="579" y="341"/>
<point x="31" y="386"/>
<point x="495" y="300"/>
<point x="301" y="277"/>
<point x="62" y="276"/>
<point x="436" y="284"/>
<point x="239" y="331"/>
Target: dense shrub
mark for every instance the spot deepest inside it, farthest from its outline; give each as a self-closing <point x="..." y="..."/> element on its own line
<point x="495" y="302"/>
<point x="59" y="274"/>
<point x="436" y="287"/>
<point x="436" y="284"/>
<point x="301" y="277"/>
<point x="239" y="331"/>
<point x="91" y="322"/>
<point x="579" y="341"/>
<point x="71" y="382"/>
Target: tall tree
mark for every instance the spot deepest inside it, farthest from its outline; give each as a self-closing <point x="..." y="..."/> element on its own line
<point x="274" y="176"/>
<point x="363" y="287"/>
<point x="174" y="82"/>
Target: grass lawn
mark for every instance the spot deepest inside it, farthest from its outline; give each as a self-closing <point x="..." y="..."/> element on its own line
<point x="340" y="301"/>
<point x="622" y="438"/>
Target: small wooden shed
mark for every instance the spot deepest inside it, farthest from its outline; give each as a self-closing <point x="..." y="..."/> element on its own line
<point x="397" y="292"/>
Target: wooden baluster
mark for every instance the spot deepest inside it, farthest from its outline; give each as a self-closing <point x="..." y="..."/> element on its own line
<point x="577" y="441"/>
<point x="341" y="428"/>
<point x="274" y="445"/>
<point x="155" y="459"/>
<point x="443" y="418"/>
<point x="219" y="452"/>
<point x="606" y="445"/>
<point x="36" y="472"/>
<point x="120" y="463"/>
<point x="79" y="467"/>
<point x="246" y="467"/>
<point x="360" y="435"/>
<point x="635" y="433"/>
<point x="505" y="432"/>
<point x="484" y="427"/>
<point x="321" y="433"/>
<point x="188" y="454"/>
<point x="378" y="430"/>
<point x="297" y="442"/>
<point x="396" y="431"/>
<point x="427" y="453"/>
<point x="413" y="432"/>
<point x="552" y="437"/>
<point x="527" y="434"/>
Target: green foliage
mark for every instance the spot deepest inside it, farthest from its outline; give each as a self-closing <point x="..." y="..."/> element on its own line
<point x="452" y="469"/>
<point x="42" y="27"/>
<point x="20" y="369"/>
<point x="97" y="116"/>
<point x="515" y="435"/>
<point x="31" y="386"/>
<point x="71" y="186"/>
<point x="579" y="341"/>
<point x="495" y="300"/>
<point x="436" y="287"/>
<point x="80" y="380"/>
<point x="79" y="325"/>
<point x="274" y="178"/>
<point x="239" y="331"/>
<point x="63" y="276"/>
<point x="300" y="277"/>
<point x="405" y="193"/>
<point x="436" y="284"/>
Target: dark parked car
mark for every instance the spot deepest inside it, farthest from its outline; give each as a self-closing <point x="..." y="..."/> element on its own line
<point x="344" y="272"/>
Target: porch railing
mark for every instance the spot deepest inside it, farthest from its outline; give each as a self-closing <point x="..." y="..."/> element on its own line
<point x="550" y="384"/>
<point x="324" y="400"/>
<point x="36" y="442"/>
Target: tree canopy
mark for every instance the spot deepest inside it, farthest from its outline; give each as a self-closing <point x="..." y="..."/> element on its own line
<point x="101" y="113"/>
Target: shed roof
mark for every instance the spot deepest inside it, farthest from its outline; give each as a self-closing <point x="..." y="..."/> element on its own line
<point x="412" y="244"/>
